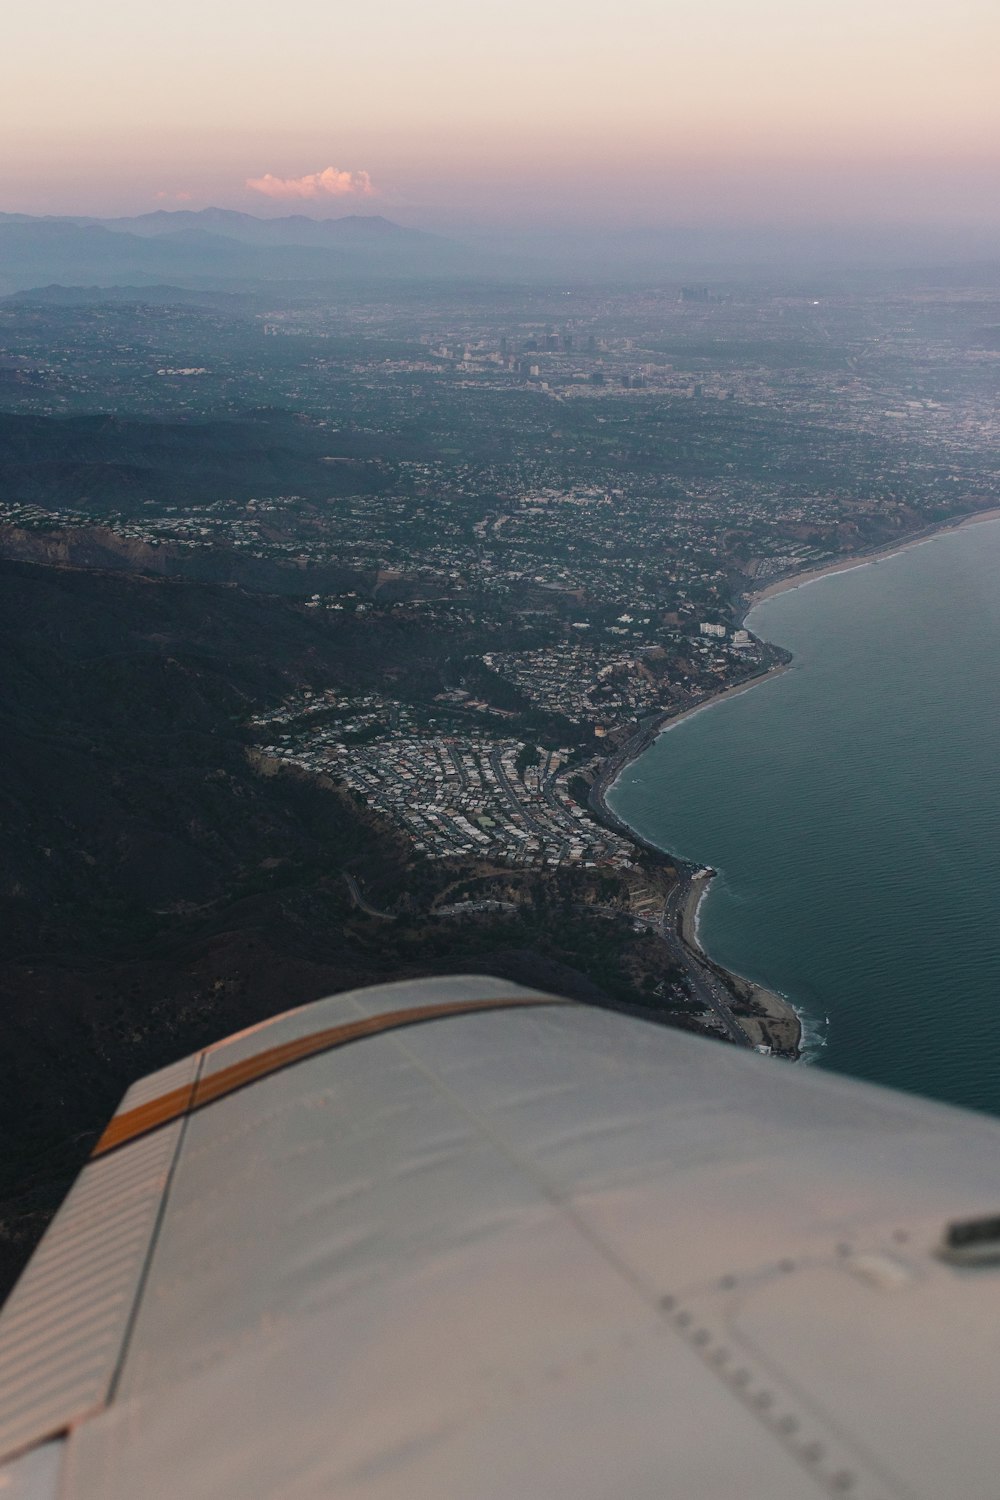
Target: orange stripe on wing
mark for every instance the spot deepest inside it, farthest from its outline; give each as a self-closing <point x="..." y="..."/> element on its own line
<point x="196" y="1095"/>
<point x="144" y="1118"/>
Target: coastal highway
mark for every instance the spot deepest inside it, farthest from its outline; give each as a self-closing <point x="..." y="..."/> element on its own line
<point x="710" y="991"/>
<point x="707" y="986"/>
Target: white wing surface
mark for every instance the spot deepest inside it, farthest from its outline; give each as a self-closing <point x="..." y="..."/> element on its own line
<point x="450" y="1238"/>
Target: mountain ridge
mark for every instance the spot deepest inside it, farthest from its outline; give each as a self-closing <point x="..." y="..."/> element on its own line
<point x="220" y="248"/>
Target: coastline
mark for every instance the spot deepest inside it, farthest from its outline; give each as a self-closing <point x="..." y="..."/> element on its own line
<point x="779" y="1024"/>
<point x="766" y="1019"/>
<point x="866" y="558"/>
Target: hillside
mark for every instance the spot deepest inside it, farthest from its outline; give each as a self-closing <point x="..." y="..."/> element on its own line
<point x="109" y="462"/>
<point x="157" y="892"/>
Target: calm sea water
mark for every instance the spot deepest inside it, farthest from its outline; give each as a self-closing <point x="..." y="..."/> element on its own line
<point x="852" y="808"/>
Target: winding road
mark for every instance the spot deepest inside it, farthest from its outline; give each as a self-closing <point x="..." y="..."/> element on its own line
<point x="359" y="900"/>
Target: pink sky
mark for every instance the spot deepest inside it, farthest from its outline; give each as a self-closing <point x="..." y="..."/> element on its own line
<point x="549" y="112"/>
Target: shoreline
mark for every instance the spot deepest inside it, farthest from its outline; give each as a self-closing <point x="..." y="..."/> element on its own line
<point x="776" y="1024"/>
<point x="781" y="1018"/>
<point x="865" y="558"/>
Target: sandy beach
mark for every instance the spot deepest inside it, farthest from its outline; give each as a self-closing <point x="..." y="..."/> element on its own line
<point x="772" y="1021"/>
<point x="711" y="699"/>
<point x="765" y="1018"/>
<point x="865" y="559"/>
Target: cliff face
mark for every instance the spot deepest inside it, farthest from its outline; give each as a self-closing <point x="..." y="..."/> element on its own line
<point x="98" y="547"/>
<point x="86" y="547"/>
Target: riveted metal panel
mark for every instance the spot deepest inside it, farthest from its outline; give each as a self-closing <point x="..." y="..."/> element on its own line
<point x="529" y="1251"/>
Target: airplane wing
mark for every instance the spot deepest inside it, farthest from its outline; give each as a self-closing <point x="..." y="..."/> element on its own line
<point x="452" y="1238"/>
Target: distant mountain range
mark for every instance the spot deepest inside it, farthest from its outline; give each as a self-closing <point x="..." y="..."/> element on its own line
<point x="352" y="231"/>
<point x="221" y="249"/>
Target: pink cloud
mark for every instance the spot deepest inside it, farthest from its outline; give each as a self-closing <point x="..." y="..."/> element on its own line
<point x="331" y="183"/>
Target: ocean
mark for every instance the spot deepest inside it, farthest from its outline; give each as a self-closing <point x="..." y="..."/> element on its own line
<point x="851" y="806"/>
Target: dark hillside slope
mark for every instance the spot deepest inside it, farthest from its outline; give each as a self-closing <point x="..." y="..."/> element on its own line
<point x="156" y="892"/>
<point x="104" y="548"/>
<point x="106" y="462"/>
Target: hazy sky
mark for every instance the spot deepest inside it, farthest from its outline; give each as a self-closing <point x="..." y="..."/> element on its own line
<point x="517" y="111"/>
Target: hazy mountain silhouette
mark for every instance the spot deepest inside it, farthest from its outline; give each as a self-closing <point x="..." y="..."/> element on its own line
<point x="220" y="248"/>
<point x="369" y="230"/>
